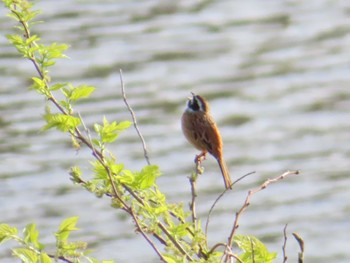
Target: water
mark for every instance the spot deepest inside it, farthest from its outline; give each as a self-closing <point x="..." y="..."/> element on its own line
<point x="276" y="74"/>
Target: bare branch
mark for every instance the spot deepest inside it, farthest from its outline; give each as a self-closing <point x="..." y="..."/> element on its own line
<point x="301" y="245"/>
<point x="219" y="197"/>
<point x="133" y="116"/>
<point x="284" y="244"/>
<point x="193" y="200"/>
<point x="249" y="196"/>
<point x="229" y="256"/>
<point x="193" y="180"/>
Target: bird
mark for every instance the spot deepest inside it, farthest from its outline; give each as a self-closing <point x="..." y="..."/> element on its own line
<point x="201" y="131"/>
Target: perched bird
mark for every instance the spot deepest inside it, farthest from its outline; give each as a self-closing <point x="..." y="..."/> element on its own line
<point x="201" y="131"/>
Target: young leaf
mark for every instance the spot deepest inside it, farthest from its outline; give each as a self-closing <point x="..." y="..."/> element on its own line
<point x="254" y="250"/>
<point x="110" y="131"/>
<point x="61" y="121"/>
<point x="75" y="174"/>
<point x="127" y="177"/>
<point x="44" y="258"/>
<point x="58" y="86"/>
<point x="26" y="255"/>
<point x="146" y="178"/>
<point x="67" y="226"/>
<point x="6" y="232"/>
<point x="170" y="259"/>
<point x="81" y="91"/>
<point x="39" y="85"/>
<point x="55" y="51"/>
<point x="31" y="236"/>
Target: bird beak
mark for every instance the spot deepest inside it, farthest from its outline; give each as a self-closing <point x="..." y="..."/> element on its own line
<point x="191" y="98"/>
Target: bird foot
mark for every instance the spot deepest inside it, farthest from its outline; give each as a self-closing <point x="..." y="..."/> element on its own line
<point x="200" y="157"/>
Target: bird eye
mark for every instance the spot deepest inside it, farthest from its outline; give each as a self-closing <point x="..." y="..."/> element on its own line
<point x="195" y="104"/>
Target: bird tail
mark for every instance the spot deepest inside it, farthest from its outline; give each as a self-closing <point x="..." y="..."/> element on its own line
<point x="225" y="173"/>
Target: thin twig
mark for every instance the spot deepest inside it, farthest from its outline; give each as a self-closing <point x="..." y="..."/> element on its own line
<point x="60" y="258"/>
<point x="87" y="131"/>
<point x="216" y="246"/>
<point x="193" y="180"/>
<point x="173" y="240"/>
<point x="193" y="200"/>
<point x="146" y="236"/>
<point x="301" y="245"/>
<point x="285" y="257"/>
<point x="133" y="116"/>
<point x="228" y="251"/>
<point x="236" y="257"/>
<point x="253" y="251"/>
<point x="249" y="196"/>
<point x="219" y="197"/>
<point x="247" y="201"/>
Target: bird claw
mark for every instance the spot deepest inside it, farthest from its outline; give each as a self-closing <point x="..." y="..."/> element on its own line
<point x="200" y="157"/>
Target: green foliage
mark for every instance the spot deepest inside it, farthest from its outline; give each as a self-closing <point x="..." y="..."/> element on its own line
<point x="253" y="250"/>
<point x="60" y="121"/>
<point x="109" y="132"/>
<point x="76" y="93"/>
<point x="66" y="227"/>
<point x="31" y="236"/>
<point x="146" y="177"/>
<point x="30" y="250"/>
<point x="7" y="232"/>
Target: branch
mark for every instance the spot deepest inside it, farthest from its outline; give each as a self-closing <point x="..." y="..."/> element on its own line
<point x="231" y="255"/>
<point x="145" y="153"/>
<point x="301" y="245"/>
<point x="284" y="244"/>
<point x="175" y="243"/>
<point x="249" y="196"/>
<point x="219" y="197"/>
<point x="60" y="258"/>
<point x="145" y="236"/>
<point x="193" y="180"/>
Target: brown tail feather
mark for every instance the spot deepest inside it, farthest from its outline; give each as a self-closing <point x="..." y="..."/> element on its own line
<point x="225" y="173"/>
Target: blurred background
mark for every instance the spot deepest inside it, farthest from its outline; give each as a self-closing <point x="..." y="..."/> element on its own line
<point x="276" y="74"/>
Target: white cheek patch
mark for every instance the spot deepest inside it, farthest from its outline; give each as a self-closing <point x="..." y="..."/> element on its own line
<point x="188" y="109"/>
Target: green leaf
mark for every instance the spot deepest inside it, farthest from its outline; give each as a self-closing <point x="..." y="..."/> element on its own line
<point x="116" y="168"/>
<point x="61" y="121"/>
<point x="108" y="132"/>
<point x="180" y="230"/>
<point x="75" y="174"/>
<point x="146" y="178"/>
<point x="127" y="177"/>
<point x="39" y="85"/>
<point x="82" y="91"/>
<point x="99" y="170"/>
<point x="18" y="41"/>
<point x="55" y="50"/>
<point x="67" y="226"/>
<point x="31" y="236"/>
<point x="254" y="250"/>
<point x="44" y="258"/>
<point x="58" y="86"/>
<point x="32" y="39"/>
<point x="170" y="259"/>
<point x="26" y="255"/>
<point x="6" y="232"/>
